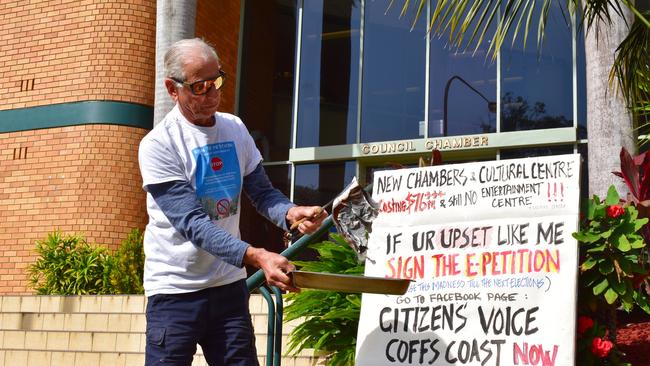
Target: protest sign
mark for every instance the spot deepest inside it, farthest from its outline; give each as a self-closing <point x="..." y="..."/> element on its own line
<point x="489" y="248"/>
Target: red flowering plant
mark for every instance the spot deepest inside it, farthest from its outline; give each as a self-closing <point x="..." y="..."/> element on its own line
<point x="611" y="259"/>
<point x="593" y="347"/>
<point x="613" y="252"/>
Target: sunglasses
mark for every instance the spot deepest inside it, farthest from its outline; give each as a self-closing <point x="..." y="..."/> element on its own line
<point x="203" y="86"/>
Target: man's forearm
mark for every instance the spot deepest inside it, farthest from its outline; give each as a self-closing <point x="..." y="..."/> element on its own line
<point x="178" y="202"/>
<point x="268" y="200"/>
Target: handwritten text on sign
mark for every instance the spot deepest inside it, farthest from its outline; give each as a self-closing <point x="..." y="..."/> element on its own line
<point x="489" y="248"/>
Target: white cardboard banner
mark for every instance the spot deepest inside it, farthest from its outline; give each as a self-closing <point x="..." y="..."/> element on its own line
<point x="489" y="248"/>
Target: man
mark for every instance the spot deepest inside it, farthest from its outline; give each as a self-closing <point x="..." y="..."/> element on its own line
<point x="194" y="165"/>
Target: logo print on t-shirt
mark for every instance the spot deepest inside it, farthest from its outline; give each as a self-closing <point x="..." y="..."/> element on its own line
<point x="222" y="207"/>
<point x="218" y="179"/>
<point x="216" y="163"/>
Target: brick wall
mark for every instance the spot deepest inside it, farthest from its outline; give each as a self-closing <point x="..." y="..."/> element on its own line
<point x="82" y="179"/>
<point x="79" y="179"/>
<point x="58" y="51"/>
<point x="217" y="21"/>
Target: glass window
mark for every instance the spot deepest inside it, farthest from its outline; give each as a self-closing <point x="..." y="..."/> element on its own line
<point x="370" y="170"/>
<point x="317" y="184"/>
<point x="329" y="73"/>
<point x="581" y="71"/>
<point x="537" y="85"/>
<point x="529" y="152"/>
<point x="266" y="82"/>
<point x="462" y="89"/>
<point x="392" y="105"/>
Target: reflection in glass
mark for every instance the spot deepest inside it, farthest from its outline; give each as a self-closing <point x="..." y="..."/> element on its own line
<point x="467" y="80"/>
<point x="266" y="83"/>
<point x="536" y="86"/>
<point x="392" y="105"/>
<point x="329" y="74"/>
<point x="582" y="84"/>
<point x="372" y="169"/>
<point x="529" y="152"/>
<point x="317" y="184"/>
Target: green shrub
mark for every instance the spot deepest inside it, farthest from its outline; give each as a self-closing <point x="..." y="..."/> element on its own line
<point x="68" y="265"/>
<point x="128" y="265"/>
<point x="330" y="319"/>
<point x="613" y="260"/>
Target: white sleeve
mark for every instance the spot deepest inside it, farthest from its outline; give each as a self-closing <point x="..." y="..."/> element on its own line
<point x="158" y="164"/>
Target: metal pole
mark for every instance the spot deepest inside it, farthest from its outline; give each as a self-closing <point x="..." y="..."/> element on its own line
<point x="257" y="279"/>
<point x="270" y="331"/>
<point x="279" y="308"/>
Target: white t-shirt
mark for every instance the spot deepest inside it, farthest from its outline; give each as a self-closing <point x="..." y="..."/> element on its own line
<point x="214" y="161"/>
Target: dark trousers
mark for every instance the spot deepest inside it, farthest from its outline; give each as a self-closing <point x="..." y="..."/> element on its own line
<point x="217" y="318"/>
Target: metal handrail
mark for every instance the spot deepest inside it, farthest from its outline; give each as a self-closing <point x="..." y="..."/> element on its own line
<point x="274" y="328"/>
<point x="270" y="330"/>
<point x="279" y="308"/>
<point x="274" y="342"/>
<point x="257" y="279"/>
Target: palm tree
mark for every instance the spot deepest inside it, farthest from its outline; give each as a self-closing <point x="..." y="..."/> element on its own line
<point x="612" y="117"/>
<point x="632" y="71"/>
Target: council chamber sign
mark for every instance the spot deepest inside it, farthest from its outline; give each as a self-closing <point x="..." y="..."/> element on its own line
<point x="489" y="248"/>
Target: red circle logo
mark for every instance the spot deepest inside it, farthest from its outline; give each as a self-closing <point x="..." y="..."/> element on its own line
<point x="222" y="207"/>
<point x="216" y="163"/>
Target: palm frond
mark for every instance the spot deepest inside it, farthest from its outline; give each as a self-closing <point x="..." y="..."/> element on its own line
<point x="601" y="10"/>
<point x="493" y="10"/>
<point x="499" y="20"/>
<point x="455" y="19"/>
<point x="630" y="72"/>
<point x="418" y="13"/>
<point x="542" y="23"/>
<point x="474" y="20"/>
<point x="404" y="8"/>
<point x="527" y="10"/>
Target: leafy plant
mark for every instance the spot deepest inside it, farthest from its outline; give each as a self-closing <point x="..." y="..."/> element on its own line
<point x="330" y="319"/>
<point x="613" y="252"/>
<point x="635" y="172"/>
<point x="68" y="265"/>
<point x="127" y="268"/>
<point x="592" y="348"/>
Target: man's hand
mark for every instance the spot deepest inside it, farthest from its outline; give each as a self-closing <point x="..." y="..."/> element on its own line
<point x="307" y="219"/>
<point x="275" y="267"/>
